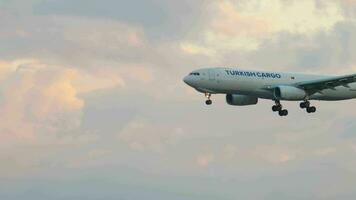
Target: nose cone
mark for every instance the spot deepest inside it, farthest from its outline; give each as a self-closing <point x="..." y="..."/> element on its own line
<point x="185" y="79"/>
<point x="188" y="80"/>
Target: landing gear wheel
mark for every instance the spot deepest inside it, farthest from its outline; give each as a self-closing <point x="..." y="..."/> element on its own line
<point x="283" y="113"/>
<point x="311" y="109"/>
<point x="304" y="104"/>
<point x="208" y="102"/>
<point x="276" y="108"/>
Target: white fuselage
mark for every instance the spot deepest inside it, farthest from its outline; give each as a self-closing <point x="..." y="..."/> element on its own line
<point x="257" y="83"/>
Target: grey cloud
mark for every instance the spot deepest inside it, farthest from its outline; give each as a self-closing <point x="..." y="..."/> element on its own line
<point x="323" y="51"/>
<point x="161" y="19"/>
<point x="60" y="39"/>
<point x="135" y="184"/>
<point x="87" y="43"/>
<point x="147" y="13"/>
<point x="17" y="7"/>
<point x="109" y="111"/>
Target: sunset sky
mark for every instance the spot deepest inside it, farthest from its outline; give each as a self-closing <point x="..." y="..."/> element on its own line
<point x="92" y="103"/>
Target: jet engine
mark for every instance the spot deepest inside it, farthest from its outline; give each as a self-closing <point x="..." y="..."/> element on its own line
<point x="289" y="93"/>
<point x="240" y="100"/>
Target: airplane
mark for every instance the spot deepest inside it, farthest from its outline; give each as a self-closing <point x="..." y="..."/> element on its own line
<point x="246" y="87"/>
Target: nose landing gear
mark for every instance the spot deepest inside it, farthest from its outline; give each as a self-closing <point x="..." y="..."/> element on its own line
<point x="209" y="101"/>
<point x="279" y="108"/>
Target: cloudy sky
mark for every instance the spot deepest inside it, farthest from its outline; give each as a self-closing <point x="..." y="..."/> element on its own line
<point x="92" y="105"/>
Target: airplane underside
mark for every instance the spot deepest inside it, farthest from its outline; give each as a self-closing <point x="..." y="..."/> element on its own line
<point x="278" y="107"/>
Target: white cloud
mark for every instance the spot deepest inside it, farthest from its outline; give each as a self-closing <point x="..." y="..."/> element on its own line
<point x="243" y="25"/>
<point x="86" y="81"/>
<point x="37" y="97"/>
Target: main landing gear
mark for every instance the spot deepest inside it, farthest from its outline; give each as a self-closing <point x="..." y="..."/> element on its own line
<point x="279" y="108"/>
<point x="209" y="101"/>
<point x="306" y="105"/>
<point x="283" y="112"/>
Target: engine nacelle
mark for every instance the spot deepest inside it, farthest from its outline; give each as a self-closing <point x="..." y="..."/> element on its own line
<point x="289" y="93"/>
<point x="240" y="100"/>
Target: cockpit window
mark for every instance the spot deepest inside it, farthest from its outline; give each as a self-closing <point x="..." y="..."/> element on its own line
<point x="194" y="74"/>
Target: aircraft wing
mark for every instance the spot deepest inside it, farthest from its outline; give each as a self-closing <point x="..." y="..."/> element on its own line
<point x="318" y="85"/>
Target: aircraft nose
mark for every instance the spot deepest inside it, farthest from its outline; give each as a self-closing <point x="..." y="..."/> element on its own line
<point x="187" y="80"/>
